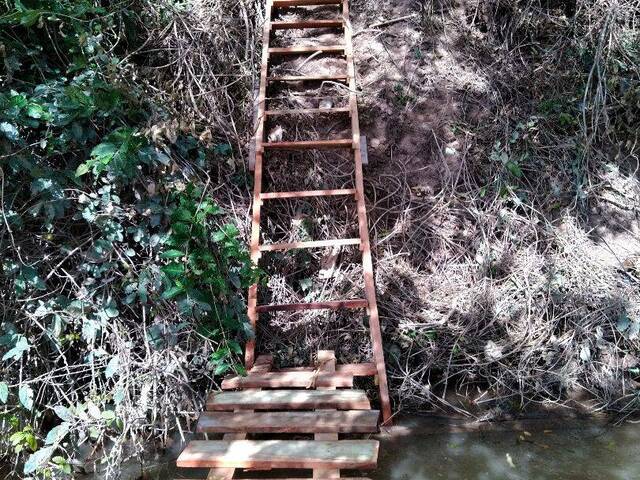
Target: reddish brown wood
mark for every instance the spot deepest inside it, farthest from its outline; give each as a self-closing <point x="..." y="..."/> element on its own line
<point x="288" y="399"/>
<point x="311" y="244"/>
<point x="288" y="380"/>
<point x="252" y="299"/>
<point x="306" y="111"/>
<point x="367" y="263"/>
<point x="307" y="193"/>
<point x="356" y="369"/>
<point x="301" y="3"/>
<point x="328" y="305"/>
<point x="308" y="78"/>
<point x="300" y="49"/>
<point x="309" y="144"/>
<point x="262" y="365"/>
<point x="326" y="478"/>
<point x="330" y="421"/>
<point x="268" y="454"/>
<point x="326" y="363"/>
<point x="302" y="24"/>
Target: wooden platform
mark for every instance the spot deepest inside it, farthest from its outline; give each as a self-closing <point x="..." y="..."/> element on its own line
<point x="326" y="412"/>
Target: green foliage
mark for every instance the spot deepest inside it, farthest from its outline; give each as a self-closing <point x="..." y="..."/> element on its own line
<point x="124" y="279"/>
<point x="207" y="271"/>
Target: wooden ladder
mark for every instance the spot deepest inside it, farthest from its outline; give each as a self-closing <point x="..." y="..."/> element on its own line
<point x="262" y="147"/>
<point x="292" y="418"/>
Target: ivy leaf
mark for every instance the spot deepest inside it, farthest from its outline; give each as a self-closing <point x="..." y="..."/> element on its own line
<point x="172" y="254"/>
<point x="21" y="346"/>
<point x="112" y="367"/>
<point x="514" y="168"/>
<point x="222" y="149"/>
<point x="9" y="130"/>
<point x="35" y="111"/>
<point x="172" y="292"/>
<point x="82" y="169"/>
<point x="63" y="413"/>
<point x="4" y="392"/>
<point x="25" y="395"/>
<point x="56" y="434"/>
<point x="38" y="460"/>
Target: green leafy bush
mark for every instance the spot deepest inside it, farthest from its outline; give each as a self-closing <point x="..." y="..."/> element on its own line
<point x="123" y="280"/>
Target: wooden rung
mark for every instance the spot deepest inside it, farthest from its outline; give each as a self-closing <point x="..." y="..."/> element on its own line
<point x="309" y="144"/>
<point x="297" y="50"/>
<point x="307" y="193"/>
<point x="366" y="369"/>
<point x="284" y="25"/>
<point x="312" y="244"/>
<point x="325" y="421"/>
<point x="268" y="454"/>
<point x="305" y="111"/>
<point x="329" y="305"/>
<point x="288" y="380"/>
<point x="309" y="78"/>
<point x="318" y="478"/>
<point x="303" y="3"/>
<point x="288" y="399"/>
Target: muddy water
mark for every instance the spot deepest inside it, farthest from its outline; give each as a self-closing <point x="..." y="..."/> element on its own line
<point x="570" y="451"/>
<point x="536" y="451"/>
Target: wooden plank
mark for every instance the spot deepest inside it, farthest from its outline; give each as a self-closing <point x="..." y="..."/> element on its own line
<point x="309" y="144"/>
<point x="301" y="3"/>
<point x="328" y="305"/>
<point x="308" y="78"/>
<point x="303" y="24"/>
<point x="288" y="399"/>
<point x="267" y="454"/>
<point x="307" y="193"/>
<point x="330" y="421"/>
<point x="367" y="263"/>
<point x="326" y="363"/>
<point x="262" y="365"/>
<point x="311" y="244"/>
<point x="343" y="478"/>
<point x="301" y="49"/>
<point x="289" y="380"/>
<point x="307" y="111"/>
<point x="365" y="369"/>
<point x="252" y="299"/>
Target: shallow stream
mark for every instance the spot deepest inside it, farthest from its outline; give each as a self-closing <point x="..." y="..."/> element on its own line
<point x="539" y="450"/>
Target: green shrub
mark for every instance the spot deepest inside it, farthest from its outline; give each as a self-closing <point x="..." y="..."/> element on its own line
<point x="123" y="281"/>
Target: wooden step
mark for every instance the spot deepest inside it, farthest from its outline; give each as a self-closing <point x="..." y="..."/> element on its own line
<point x="309" y="144"/>
<point x="366" y="369"/>
<point x="307" y="193"/>
<point x="303" y="3"/>
<point x="307" y="111"/>
<point x="308" y="78"/>
<point x="289" y="380"/>
<point x="288" y="399"/>
<point x="328" y="305"/>
<point x="349" y="421"/>
<point x="301" y="49"/>
<point x="302" y="24"/>
<point x="268" y="454"/>
<point x="317" y="478"/>
<point x="311" y="244"/>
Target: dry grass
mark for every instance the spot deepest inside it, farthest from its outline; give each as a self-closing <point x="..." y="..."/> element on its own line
<point x="502" y="187"/>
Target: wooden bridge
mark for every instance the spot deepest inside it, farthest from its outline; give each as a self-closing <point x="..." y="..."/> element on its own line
<point x="298" y="418"/>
